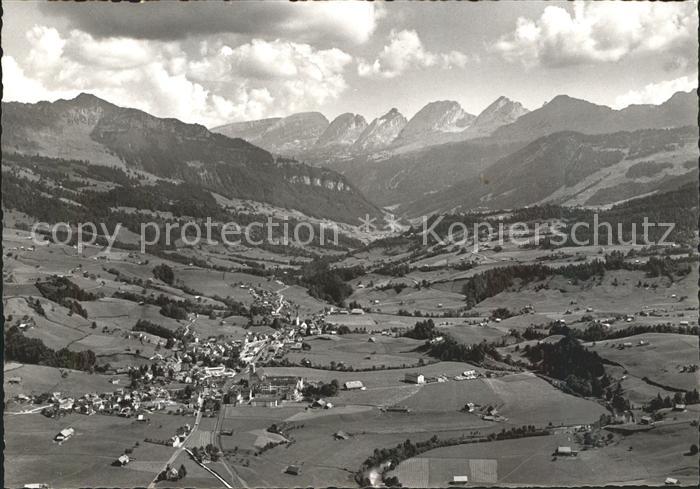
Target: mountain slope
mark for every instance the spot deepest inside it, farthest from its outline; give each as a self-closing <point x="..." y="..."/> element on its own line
<point x="91" y="129"/>
<point x="286" y="136"/>
<point x="341" y="133"/>
<point x="380" y="133"/>
<point x="564" y="113"/>
<point x="576" y="169"/>
<point x="501" y="112"/>
<point x="444" y="116"/>
<point x="402" y="178"/>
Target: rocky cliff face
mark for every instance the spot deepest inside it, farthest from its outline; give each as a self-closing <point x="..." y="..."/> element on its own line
<point x="381" y="132"/>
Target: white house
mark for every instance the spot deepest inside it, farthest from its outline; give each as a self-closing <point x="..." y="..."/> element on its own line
<point x="415" y="378"/>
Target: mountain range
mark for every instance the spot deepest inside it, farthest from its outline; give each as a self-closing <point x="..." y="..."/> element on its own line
<point x="445" y="121"/>
<point x="571" y="168"/>
<point x="564" y="113"/>
<point x="93" y="130"/>
<point x="309" y="135"/>
<point x="569" y="151"/>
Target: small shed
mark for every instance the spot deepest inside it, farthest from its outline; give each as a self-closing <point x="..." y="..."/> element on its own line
<point x="293" y="470"/>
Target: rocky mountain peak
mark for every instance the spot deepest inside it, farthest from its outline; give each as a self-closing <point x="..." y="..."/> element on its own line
<point x="500" y="112"/>
<point x="343" y="131"/>
<point x="436" y="117"/>
<point x="381" y="132"/>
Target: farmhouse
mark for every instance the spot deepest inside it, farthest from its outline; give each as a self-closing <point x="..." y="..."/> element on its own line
<point x="341" y="435"/>
<point x="64" y="434"/>
<point x="322" y="403"/>
<point x="469" y="374"/>
<point x="66" y="404"/>
<point x="357" y="311"/>
<point x="566" y="452"/>
<point x="460" y="479"/>
<point x="122" y="461"/>
<point x="414" y="378"/>
<point x="353" y="385"/>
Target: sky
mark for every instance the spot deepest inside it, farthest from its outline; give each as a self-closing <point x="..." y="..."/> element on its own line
<point x="214" y="63"/>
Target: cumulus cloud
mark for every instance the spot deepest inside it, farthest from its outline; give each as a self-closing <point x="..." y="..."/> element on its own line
<point x="214" y="84"/>
<point x="657" y="93"/>
<point x="348" y="21"/>
<point x="601" y="32"/>
<point x="405" y="51"/>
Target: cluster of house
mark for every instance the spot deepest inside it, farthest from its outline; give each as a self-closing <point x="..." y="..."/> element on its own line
<point x="419" y="378"/>
<point x="356" y="311"/>
<point x="629" y="344"/>
<point x="268" y="306"/>
<point x="121" y="402"/>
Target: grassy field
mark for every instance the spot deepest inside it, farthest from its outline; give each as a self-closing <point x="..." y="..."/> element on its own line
<point x="358" y="351"/>
<point x="325" y="460"/>
<point x="659" y="359"/>
<point x="641" y="458"/>
<point x="85" y="459"/>
<point x="378" y="378"/>
<point x="37" y="379"/>
<point x="522" y="398"/>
